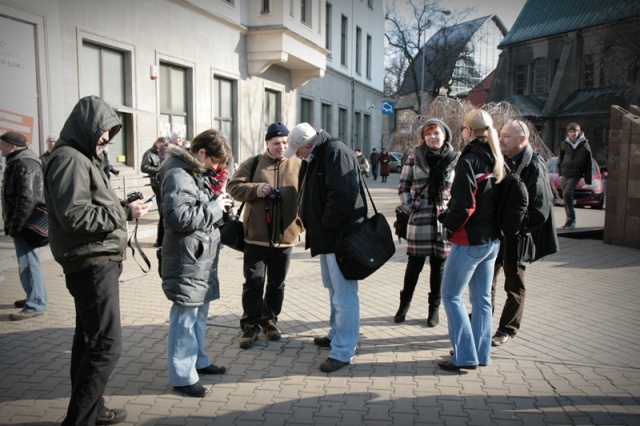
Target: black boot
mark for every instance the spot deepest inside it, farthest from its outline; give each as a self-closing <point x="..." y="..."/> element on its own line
<point x="403" y="309"/>
<point x="434" y="307"/>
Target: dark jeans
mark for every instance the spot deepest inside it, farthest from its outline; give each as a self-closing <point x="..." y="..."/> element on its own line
<point x="97" y="340"/>
<point x="568" y="187"/>
<point x="412" y="273"/>
<point x="513" y="284"/>
<point x="374" y="170"/>
<point x="260" y="304"/>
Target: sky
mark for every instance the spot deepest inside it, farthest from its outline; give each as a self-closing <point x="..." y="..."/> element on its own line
<point x="507" y="10"/>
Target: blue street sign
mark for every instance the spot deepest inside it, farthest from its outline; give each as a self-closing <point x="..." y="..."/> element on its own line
<point x="388" y="107"/>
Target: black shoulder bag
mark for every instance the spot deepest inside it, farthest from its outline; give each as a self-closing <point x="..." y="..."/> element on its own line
<point x="363" y="251"/>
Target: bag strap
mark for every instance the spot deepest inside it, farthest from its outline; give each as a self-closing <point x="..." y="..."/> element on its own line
<point x="363" y="182"/>
<point x="134" y="236"/>
<point x="254" y="167"/>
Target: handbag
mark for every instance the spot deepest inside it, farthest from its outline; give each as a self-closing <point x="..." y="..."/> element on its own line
<point x="363" y="251"/>
<point x="36" y="230"/>
<point x="232" y="232"/>
<point x="401" y="223"/>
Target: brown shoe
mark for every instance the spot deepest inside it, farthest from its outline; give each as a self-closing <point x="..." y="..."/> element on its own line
<point x="500" y="338"/>
<point x="111" y="417"/>
<point x="249" y="335"/>
<point x="22" y="315"/>
<point x="271" y="330"/>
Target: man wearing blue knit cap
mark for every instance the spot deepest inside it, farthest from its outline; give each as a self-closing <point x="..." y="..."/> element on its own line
<point x="268" y="185"/>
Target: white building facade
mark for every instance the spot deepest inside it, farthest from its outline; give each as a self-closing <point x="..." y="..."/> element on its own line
<point x="191" y="65"/>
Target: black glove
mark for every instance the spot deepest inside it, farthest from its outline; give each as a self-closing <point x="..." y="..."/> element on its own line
<point x="443" y="215"/>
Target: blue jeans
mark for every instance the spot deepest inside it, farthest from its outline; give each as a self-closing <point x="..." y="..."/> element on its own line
<point x="30" y="276"/>
<point x="344" y="321"/>
<point x="472" y="266"/>
<point x="187" y="333"/>
<point x="568" y="187"/>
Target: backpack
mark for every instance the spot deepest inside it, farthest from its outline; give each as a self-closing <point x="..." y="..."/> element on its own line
<point x="513" y="200"/>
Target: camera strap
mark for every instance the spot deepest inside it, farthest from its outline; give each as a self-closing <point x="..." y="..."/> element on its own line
<point x="134" y="237"/>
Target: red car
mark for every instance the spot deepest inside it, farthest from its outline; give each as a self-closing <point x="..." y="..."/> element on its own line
<point x="585" y="195"/>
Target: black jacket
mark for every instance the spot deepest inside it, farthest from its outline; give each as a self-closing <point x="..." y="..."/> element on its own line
<point x="575" y="163"/>
<point x="151" y="164"/>
<point x="22" y="189"/>
<point x="471" y="215"/>
<point x="331" y="199"/>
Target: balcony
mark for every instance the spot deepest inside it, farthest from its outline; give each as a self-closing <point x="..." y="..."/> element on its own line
<point x="279" y="45"/>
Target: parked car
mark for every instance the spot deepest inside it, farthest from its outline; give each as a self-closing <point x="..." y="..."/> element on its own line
<point x="585" y="195"/>
<point x="397" y="160"/>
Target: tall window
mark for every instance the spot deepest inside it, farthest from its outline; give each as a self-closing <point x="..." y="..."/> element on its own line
<point x="539" y="76"/>
<point x="102" y="73"/>
<point x="306" y="110"/>
<point x="272" y="107"/>
<point x="358" y="50"/>
<point x="266" y="6"/>
<point x="368" y="59"/>
<point x="519" y="80"/>
<point x="326" y="117"/>
<point x="305" y="12"/>
<point x="173" y="98"/>
<point x="342" y="125"/>
<point x="588" y="71"/>
<point x="224" y="111"/>
<point x="344" y="27"/>
<point x="366" y="133"/>
<point x="357" y="118"/>
<point x="328" y="26"/>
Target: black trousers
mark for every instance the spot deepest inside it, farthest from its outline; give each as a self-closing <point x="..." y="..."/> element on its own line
<point x="513" y="310"/>
<point x="412" y="273"/>
<point x="97" y="341"/>
<point x="262" y="304"/>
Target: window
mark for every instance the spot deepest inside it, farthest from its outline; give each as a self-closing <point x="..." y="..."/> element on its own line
<point x="326" y="117"/>
<point x="368" y="59"/>
<point x="358" y="52"/>
<point x="366" y="133"/>
<point x="328" y="26"/>
<point x="266" y="6"/>
<point x="231" y="2"/>
<point x="102" y="73"/>
<point x="343" y="40"/>
<point x="306" y="110"/>
<point x="370" y="4"/>
<point x="272" y="108"/>
<point x="588" y="72"/>
<point x="305" y="12"/>
<point x="357" y="118"/>
<point x="519" y="81"/>
<point x="224" y="110"/>
<point x="539" y="76"/>
<point x="173" y="98"/>
<point x="342" y="124"/>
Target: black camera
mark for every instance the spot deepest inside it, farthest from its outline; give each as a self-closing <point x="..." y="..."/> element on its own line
<point x="134" y="196"/>
<point x="274" y="195"/>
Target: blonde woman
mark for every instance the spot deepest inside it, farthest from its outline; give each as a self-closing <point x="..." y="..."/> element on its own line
<point x="475" y="242"/>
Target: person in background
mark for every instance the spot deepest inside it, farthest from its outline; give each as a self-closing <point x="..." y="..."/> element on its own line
<point x="574" y="164"/>
<point x="330" y="201"/>
<point x="272" y="228"/>
<point x="514" y="144"/>
<point x="22" y="192"/>
<point x="384" y="159"/>
<point x="471" y="218"/>
<point x="189" y="268"/>
<point x="176" y="138"/>
<point x="150" y="165"/>
<point x="374" y="159"/>
<point x="424" y="188"/>
<point x="363" y="164"/>
<point x="88" y="236"/>
<point x="51" y="142"/>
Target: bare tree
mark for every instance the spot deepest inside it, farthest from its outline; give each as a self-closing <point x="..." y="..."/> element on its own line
<point x="407" y="31"/>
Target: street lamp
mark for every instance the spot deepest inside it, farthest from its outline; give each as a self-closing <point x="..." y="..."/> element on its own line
<point x="445" y="12"/>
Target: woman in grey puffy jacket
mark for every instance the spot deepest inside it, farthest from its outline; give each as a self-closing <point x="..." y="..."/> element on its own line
<point x="192" y="215"/>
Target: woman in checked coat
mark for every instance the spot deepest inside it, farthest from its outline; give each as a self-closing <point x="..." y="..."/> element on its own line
<point x="424" y="187"/>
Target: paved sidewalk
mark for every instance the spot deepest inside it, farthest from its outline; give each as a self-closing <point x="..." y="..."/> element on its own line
<point x="576" y="360"/>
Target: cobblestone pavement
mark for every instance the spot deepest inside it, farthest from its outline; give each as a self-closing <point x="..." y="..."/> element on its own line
<point x="576" y="360"/>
